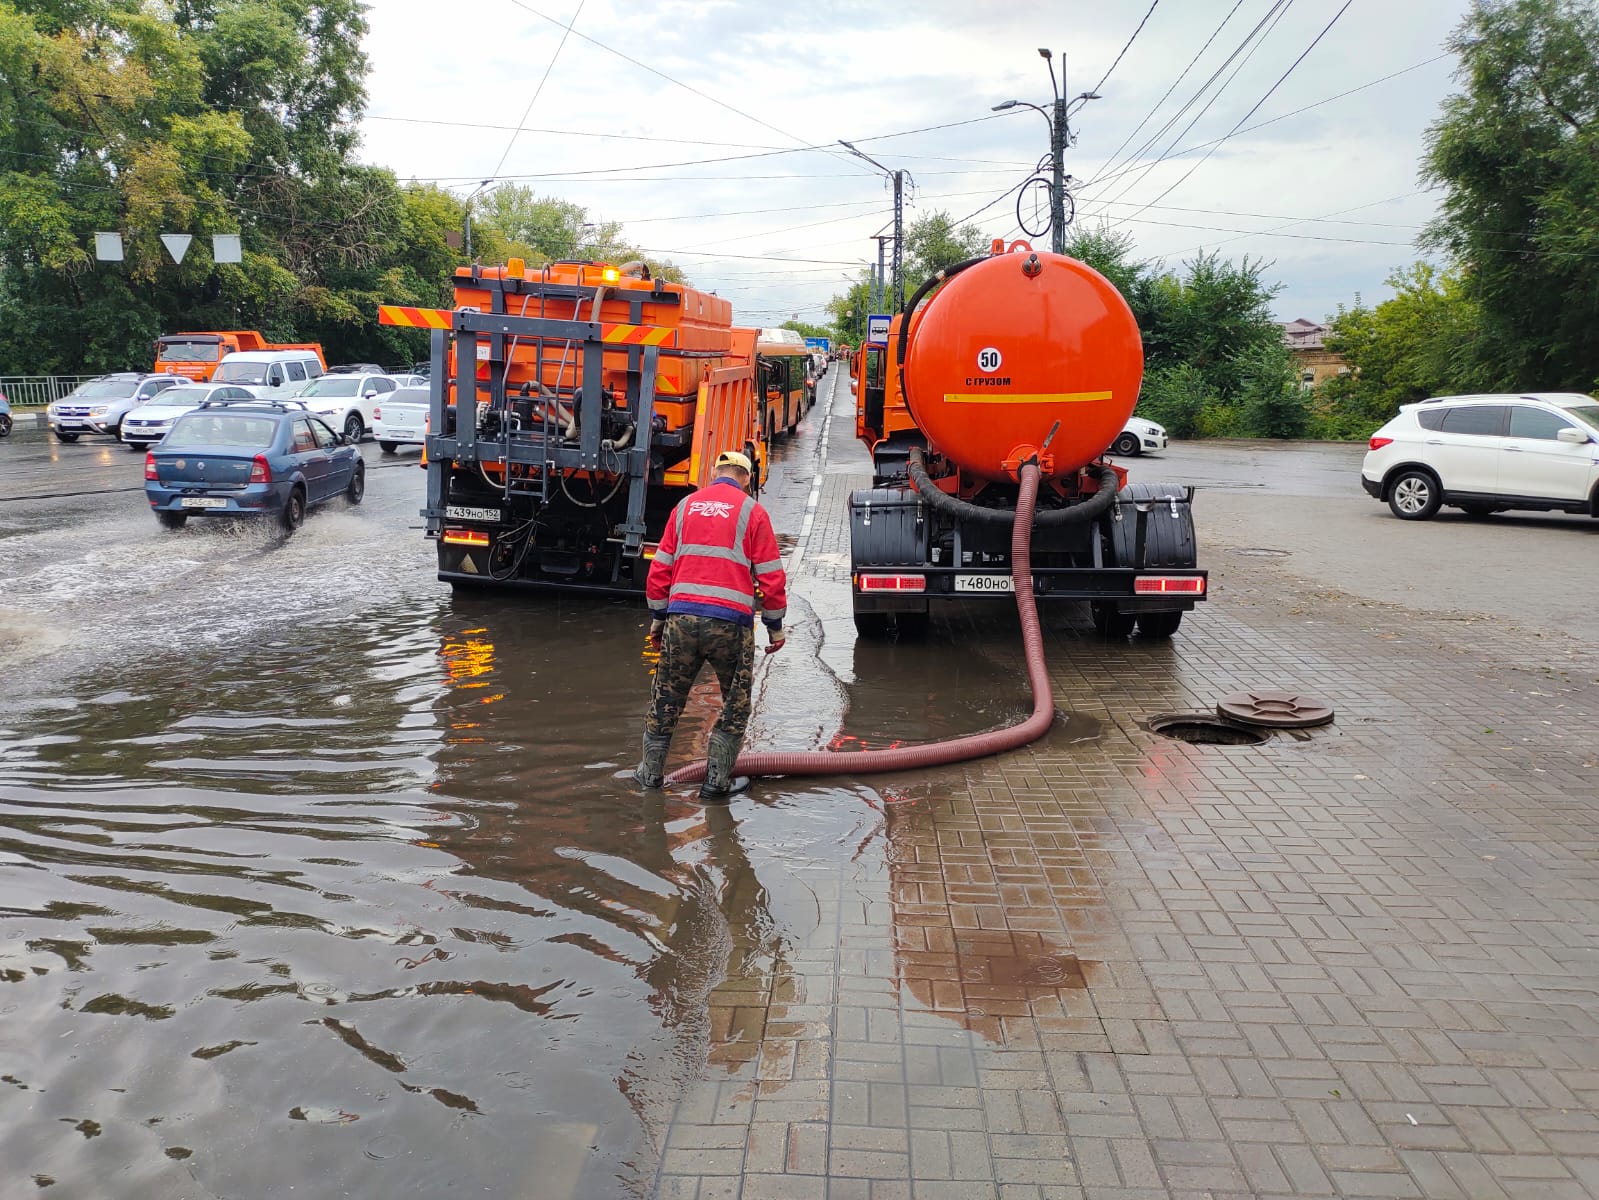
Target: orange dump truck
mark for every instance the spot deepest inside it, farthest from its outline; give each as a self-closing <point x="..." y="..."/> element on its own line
<point x="196" y="355"/>
<point x="571" y="407"/>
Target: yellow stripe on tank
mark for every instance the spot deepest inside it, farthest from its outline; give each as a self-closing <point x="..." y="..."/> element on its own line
<point x="1024" y="397"/>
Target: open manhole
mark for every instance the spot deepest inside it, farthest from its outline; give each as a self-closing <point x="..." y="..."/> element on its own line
<point x="1205" y="729"/>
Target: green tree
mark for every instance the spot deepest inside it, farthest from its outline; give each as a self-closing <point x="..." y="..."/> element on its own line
<point x="933" y="242"/>
<point x="806" y="329"/>
<point x="1422" y="341"/>
<point x="1516" y="156"/>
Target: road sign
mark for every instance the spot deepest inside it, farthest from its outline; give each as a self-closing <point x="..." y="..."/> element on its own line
<point x="177" y="244"/>
<point x="815" y="343"/>
<point x="877" y="328"/>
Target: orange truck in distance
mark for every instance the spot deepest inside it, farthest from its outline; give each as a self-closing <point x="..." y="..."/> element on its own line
<point x="196" y="355"/>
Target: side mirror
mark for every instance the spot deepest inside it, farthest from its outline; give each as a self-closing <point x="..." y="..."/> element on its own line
<point x="1572" y="436"/>
<point x="371" y="395"/>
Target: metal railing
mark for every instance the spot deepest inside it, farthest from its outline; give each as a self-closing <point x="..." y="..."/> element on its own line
<point x="36" y="391"/>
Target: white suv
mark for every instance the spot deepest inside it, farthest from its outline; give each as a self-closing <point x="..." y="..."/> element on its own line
<point x="346" y="401"/>
<point x="1485" y="454"/>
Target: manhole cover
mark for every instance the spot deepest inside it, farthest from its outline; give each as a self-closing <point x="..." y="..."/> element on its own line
<point x="1202" y="729"/>
<point x="1278" y="710"/>
<point x="1260" y="552"/>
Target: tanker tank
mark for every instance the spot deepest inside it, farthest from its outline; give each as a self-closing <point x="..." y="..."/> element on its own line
<point x="1012" y="345"/>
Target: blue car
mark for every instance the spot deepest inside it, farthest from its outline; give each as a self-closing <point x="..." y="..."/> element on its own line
<point x="5" y="415"/>
<point x="250" y="458"/>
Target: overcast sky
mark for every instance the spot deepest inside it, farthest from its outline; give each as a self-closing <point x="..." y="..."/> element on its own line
<point x="776" y="226"/>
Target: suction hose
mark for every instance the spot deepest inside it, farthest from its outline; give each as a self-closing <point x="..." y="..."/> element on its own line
<point x="938" y="754"/>
<point x="1050" y="518"/>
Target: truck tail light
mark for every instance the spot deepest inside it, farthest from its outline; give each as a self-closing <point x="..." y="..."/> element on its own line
<point x="465" y="537"/>
<point x="260" y="472"/>
<point x="149" y="466"/>
<point x="1169" y="585"/>
<point x="891" y="583"/>
<point x="1377" y="443"/>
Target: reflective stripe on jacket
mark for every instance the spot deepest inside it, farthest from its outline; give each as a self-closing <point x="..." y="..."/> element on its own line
<point x="718" y="545"/>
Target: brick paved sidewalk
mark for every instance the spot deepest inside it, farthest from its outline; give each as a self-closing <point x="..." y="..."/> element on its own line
<point x="1115" y="967"/>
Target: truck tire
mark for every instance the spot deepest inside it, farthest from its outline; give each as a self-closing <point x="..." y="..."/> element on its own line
<point x="1158" y="626"/>
<point x="172" y="520"/>
<point x="872" y="625"/>
<point x="65" y="437"/>
<point x="1110" y="624"/>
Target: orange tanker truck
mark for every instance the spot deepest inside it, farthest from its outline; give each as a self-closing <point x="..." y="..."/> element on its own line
<point x="196" y="355"/>
<point x="1015" y="357"/>
<point x="571" y="406"/>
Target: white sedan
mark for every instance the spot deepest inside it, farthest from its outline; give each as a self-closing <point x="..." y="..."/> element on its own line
<point x="150" y="421"/>
<point x="1138" y="436"/>
<point x="400" y="419"/>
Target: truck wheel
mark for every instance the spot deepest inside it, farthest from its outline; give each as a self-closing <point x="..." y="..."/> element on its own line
<point x="1110" y="624"/>
<point x="912" y="627"/>
<point x="871" y="625"/>
<point x="1127" y="445"/>
<point x="65" y="437"/>
<point x="172" y="520"/>
<point x="1414" y="495"/>
<point x="293" y="514"/>
<point x="1158" y="626"/>
<point x="389" y="447"/>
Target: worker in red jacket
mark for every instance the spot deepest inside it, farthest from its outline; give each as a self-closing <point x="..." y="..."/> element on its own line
<point x="718" y="548"/>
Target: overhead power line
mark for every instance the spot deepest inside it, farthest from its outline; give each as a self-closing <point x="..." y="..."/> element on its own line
<point x="1124" y="49"/>
<point x="1316" y="41"/>
<point x="544" y="78"/>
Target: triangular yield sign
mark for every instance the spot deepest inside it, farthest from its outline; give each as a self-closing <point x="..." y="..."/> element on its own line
<point x="177" y="244"/>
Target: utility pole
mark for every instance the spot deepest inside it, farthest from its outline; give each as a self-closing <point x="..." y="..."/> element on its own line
<point x="898" y="178"/>
<point x="878" y="279"/>
<point x="1060" y="136"/>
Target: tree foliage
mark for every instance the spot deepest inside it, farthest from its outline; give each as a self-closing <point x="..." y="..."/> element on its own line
<point x="1516" y="155"/>
<point x="543" y="229"/>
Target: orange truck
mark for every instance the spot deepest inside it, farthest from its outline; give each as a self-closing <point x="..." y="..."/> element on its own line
<point x="571" y="406"/>
<point x="196" y="355"/>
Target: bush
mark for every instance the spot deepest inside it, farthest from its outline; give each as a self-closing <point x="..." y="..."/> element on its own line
<point x="1272" y="406"/>
<point x="1176" y="397"/>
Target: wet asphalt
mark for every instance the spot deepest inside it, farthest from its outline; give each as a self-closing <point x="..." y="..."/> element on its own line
<point x="299" y="850"/>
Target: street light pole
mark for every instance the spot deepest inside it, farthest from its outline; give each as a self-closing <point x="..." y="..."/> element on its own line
<point x="899" y="221"/>
<point x="1059" y="139"/>
<point x="471" y="196"/>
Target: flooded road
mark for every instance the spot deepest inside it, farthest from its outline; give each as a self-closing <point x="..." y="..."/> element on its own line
<point x="314" y="876"/>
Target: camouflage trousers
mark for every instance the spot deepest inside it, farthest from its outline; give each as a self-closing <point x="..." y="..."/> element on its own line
<point x="687" y="644"/>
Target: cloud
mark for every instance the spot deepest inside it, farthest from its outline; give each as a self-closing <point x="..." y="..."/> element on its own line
<point x="788" y="83"/>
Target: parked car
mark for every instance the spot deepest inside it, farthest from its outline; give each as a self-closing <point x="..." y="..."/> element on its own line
<point x="346" y="401"/>
<point x="151" y="423"/>
<point x="269" y="374"/>
<point x="407" y="379"/>
<point x="250" y="459"/>
<point x="101" y="405"/>
<point x="357" y="369"/>
<point x="1139" y="436"/>
<point x="400" y="418"/>
<point x="5" y="416"/>
<point x="1486" y="454"/>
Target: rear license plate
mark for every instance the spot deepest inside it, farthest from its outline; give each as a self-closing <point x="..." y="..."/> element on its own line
<point x="399" y="434"/>
<point x="984" y="583"/>
<point x="458" y="513"/>
<point x="202" y="502"/>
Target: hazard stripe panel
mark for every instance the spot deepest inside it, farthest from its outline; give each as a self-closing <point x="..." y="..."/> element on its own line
<point x="443" y="318"/>
<point x="414" y="318"/>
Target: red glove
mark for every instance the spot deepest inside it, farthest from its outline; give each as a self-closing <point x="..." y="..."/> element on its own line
<point x="774" y="640"/>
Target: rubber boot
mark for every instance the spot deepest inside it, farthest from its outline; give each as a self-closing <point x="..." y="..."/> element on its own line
<point x="720" y="756"/>
<point x="651" y="772"/>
